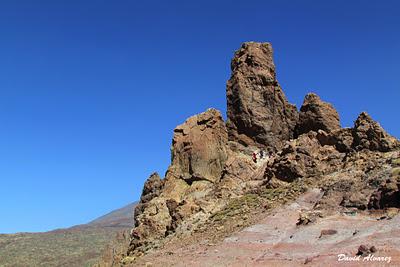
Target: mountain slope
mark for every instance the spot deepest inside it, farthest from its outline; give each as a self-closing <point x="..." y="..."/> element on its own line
<point x="224" y="175"/>
<point x="80" y="245"/>
<point x="121" y="217"/>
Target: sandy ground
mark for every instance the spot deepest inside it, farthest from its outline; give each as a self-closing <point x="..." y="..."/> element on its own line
<point x="276" y="240"/>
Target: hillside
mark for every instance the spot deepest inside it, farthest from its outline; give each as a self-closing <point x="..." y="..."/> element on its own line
<point x="118" y="218"/>
<point x="271" y="186"/>
<point x="80" y="245"/>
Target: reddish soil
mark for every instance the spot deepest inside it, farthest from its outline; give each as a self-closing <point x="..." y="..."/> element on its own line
<point x="276" y="240"/>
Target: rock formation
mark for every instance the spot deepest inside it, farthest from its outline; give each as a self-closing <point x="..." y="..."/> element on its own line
<point x="199" y="153"/>
<point x="258" y="112"/>
<point x="211" y="166"/>
<point x="199" y="148"/>
<point x="317" y="115"/>
<point x="304" y="157"/>
<point x="368" y="134"/>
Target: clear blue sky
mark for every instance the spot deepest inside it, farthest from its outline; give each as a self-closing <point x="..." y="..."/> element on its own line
<point x="90" y="91"/>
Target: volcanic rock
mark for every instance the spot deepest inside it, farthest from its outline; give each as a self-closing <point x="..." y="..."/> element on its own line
<point x="388" y="195"/>
<point x="363" y="250"/>
<point x="212" y="177"/>
<point x="199" y="148"/>
<point x="150" y="224"/>
<point x="315" y="115"/>
<point x="368" y="134"/>
<point x="152" y="188"/>
<point x="342" y="139"/>
<point x="304" y="157"/>
<point x="199" y="152"/>
<point x="258" y="111"/>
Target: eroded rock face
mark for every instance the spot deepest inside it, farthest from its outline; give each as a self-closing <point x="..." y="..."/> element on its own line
<point x="388" y="195"/>
<point x="199" y="152"/>
<point x="151" y="223"/>
<point x="304" y="157"/>
<point x="342" y="139"/>
<point x="258" y="111"/>
<point x="211" y="165"/>
<point x="151" y="189"/>
<point x="368" y="134"/>
<point x="199" y="148"/>
<point x="239" y="172"/>
<point x="315" y="115"/>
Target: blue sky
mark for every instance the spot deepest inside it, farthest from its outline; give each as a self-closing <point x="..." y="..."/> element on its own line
<point x="90" y="91"/>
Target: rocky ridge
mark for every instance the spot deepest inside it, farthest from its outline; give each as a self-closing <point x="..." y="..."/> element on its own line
<point x="211" y="167"/>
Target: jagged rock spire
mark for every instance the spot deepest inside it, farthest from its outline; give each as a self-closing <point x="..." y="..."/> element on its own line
<point x="258" y="111"/>
<point x="315" y="115"/>
<point x="368" y="134"/>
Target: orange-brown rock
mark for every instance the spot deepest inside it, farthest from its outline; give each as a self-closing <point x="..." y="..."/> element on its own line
<point x="304" y="157"/>
<point x="315" y="115"/>
<point x="199" y="148"/>
<point x="342" y="139"/>
<point x="199" y="152"/>
<point x="258" y="111"/>
<point x="352" y="169"/>
<point x="368" y="134"/>
<point x="151" y="189"/>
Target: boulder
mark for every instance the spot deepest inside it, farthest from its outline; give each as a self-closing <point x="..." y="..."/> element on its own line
<point x="388" y="195"/>
<point x="342" y="139"/>
<point x="368" y="134"/>
<point x="304" y="157"/>
<point x="199" y="148"/>
<point x="258" y="111"/>
<point x="315" y="115"/>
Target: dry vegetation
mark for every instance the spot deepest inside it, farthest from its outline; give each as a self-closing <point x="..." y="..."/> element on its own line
<point x="81" y="245"/>
<point x="70" y="247"/>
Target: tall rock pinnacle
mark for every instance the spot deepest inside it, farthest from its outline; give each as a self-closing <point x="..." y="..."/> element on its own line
<point x="258" y="111"/>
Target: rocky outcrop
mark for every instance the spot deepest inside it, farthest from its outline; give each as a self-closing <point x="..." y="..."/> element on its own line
<point x="150" y="224"/>
<point x="212" y="170"/>
<point x="315" y="115"/>
<point x="151" y="189"/>
<point x="368" y="134"/>
<point x="258" y="111"/>
<point x="341" y="139"/>
<point x="199" y="152"/>
<point x="388" y="195"/>
<point x="303" y="157"/>
<point x="199" y="148"/>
